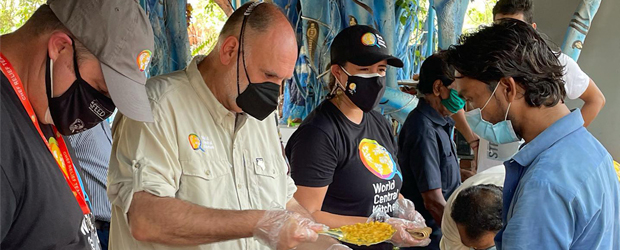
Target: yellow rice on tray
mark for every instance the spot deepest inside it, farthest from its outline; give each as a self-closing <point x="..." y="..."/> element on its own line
<point x="364" y="234"/>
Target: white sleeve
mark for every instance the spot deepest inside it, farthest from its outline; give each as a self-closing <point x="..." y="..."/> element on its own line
<point x="576" y="80"/>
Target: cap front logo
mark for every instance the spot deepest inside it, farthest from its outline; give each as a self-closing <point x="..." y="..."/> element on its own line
<point x="369" y="39"/>
<point x="144" y="58"/>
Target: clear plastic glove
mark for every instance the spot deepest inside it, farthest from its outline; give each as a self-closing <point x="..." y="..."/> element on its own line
<point x="283" y="230"/>
<point x="338" y="247"/>
<point x="401" y="237"/>
<point x="405" y="209"/>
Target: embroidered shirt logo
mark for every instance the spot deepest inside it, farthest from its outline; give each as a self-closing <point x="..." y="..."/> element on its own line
<point x="200" y="142"/>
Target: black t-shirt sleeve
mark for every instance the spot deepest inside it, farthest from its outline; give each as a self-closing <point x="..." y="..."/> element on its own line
<point x="8" y="204"/>
<point x="312" y="156"/>
<point x="425" y="161"/>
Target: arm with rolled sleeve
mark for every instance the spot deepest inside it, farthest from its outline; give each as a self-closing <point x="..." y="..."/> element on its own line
<point x="143" y="179"/>
<point x="144" y="158"/>
<point x="542" y="218"/>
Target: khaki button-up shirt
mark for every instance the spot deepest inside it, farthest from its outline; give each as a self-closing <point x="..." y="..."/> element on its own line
<point x="198" y="151"/>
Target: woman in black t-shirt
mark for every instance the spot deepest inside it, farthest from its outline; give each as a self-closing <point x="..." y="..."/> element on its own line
<point x="343" y="156"/>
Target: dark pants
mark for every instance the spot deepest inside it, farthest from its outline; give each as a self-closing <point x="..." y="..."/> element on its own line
<point x="435" y="237"/>
<point x="103" y="232"/>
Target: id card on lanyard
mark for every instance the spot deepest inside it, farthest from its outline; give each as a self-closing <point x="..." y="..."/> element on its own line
<point x="56" y="145"/>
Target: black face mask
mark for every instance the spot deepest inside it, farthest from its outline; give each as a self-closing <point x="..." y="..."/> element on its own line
<point x="259" y="99"/>
<point x="365" y="90"/>
<point x="81" y="107"/>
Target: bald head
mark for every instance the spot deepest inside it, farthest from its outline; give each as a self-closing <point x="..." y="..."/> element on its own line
<point x="264" y="50"/>
<point x="264" y="17"/>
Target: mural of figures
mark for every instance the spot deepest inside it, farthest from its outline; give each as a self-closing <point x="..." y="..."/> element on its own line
<point x="578" y="28"/>
<point x="312" y="36"/>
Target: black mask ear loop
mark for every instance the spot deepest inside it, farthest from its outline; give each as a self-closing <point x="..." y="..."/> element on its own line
<point x="75" y="61"/>
<point x="49" y="74"/>
<point x="246" y="15"/>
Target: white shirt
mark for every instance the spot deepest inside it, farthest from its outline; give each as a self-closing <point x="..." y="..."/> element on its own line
<point x="451" y="240"/>
<point x="576" y="80"/>
<point x="195" y="151"/>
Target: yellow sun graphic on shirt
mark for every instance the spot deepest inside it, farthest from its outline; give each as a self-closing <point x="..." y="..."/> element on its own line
<point x="377" y="159"/>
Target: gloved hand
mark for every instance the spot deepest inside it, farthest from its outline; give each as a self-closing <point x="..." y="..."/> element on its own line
<point x="405" y="209"/>
<point x="338" y="247"/>
<point x="283" y="230"/>
<point x="401" y="238"/>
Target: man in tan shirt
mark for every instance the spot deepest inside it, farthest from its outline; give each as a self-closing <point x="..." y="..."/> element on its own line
<point x="203" y="174"/>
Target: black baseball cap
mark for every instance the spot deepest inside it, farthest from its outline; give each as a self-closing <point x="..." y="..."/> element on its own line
<point x="361" y="45"/>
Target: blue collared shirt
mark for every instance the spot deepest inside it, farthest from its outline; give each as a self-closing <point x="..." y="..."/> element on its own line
<point x="92" y="150"/>
<point x="561" y="192"/>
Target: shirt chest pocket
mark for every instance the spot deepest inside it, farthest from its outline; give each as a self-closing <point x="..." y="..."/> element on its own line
<point x="205" y="182"/>
<point x="269" y="181"/>
<point x="448" y="164"/>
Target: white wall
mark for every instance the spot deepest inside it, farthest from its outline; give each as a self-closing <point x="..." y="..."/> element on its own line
<point x="600" y="59"/>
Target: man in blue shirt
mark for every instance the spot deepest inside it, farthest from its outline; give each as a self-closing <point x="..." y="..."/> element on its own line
<point x="426" y="153"/>
<point x="560" y="191"/>
<point x="92" y="150"/>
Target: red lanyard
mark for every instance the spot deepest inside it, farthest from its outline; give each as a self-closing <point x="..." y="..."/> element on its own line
<point x="55" y="144"/>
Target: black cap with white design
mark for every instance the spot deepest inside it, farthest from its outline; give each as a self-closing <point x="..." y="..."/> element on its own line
<point x="361" y="45"/>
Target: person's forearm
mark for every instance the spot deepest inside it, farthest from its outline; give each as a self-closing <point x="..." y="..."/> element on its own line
<point x="335" y="220"/>
<point x="294" y="206"/>
<point x="593" y="102"/>
<point x="323" y="242"/>
<point x="434" y="202"/>
<point x="460" y="123"/>
<point x="436" y="210"/>
<point x="589" y="111"/>
<point x="175" y="222"/>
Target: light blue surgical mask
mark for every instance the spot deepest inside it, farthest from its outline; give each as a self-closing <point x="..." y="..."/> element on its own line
<point x="499" y="133"/>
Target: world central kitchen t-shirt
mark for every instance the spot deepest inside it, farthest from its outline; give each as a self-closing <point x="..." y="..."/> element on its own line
<point x="357" y="161"/>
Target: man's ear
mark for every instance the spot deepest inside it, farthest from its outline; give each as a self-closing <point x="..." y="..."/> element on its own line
<point x="228" y="50"/>
<point x="534" y="25"/>
<point x="437" y="87"/>
<point x="510" y="88"/>
<point x="58" y="43"/>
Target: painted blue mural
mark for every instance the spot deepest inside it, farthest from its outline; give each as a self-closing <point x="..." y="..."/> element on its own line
<point x="578" y="27"/>
<point x="168" y="19"/>
<point x="318" y="24"/>
<point x="318" y="21"/>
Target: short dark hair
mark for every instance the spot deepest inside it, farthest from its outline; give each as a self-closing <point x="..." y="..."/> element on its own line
<point x="511" y="7"/>
<point x="434" y="68"/>
<point x="43" y="22"/>
<point x="511" y="48"/>
<point x="479" y="210"/>
<point x="260" y="20"/>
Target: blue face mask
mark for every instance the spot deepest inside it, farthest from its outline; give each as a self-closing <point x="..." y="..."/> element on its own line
<point x="500" y="133"/>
